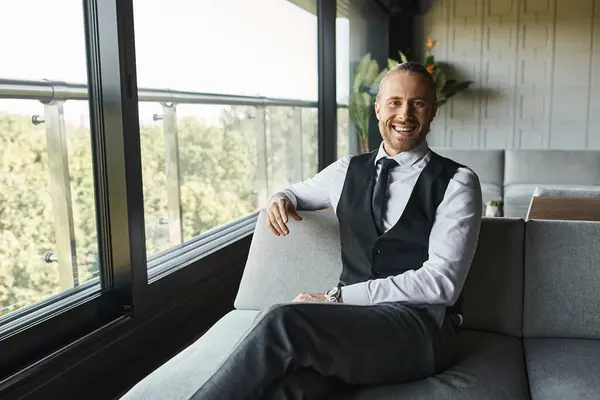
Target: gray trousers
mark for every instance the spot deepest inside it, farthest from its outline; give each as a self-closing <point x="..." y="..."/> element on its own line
<point x="303" y="350"/>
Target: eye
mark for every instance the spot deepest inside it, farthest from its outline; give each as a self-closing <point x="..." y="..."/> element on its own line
<point x="394" y="103"/>
<point x="419" y="103"/>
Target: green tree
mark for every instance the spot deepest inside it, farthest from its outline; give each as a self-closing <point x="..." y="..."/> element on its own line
<point x="218" y="169"/>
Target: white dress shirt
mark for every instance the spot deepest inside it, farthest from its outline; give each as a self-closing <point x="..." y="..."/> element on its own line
<point x="452" y="241"/>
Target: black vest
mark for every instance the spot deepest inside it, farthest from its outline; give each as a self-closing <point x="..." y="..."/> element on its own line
<point x="368" y="255"/>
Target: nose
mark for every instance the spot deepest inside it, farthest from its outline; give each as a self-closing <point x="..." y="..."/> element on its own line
<point x="404" y="111"/>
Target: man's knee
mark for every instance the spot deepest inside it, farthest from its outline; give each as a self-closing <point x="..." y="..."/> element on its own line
<point x="278" y="313"/>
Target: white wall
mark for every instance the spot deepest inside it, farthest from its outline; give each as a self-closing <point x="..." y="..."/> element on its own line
<point x="536" y="68"/>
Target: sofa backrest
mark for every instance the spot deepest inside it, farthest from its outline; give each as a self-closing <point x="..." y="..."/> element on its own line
<point x="553" y="167"/>
<point x="278" y="268"/>
<point x="493" y="292"/>
<point x="309" y="259"/>
<point x="488" y="164"/>
<point x="562" y="279"/>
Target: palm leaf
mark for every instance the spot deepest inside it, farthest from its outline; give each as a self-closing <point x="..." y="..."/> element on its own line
<point x="371" y="73"/>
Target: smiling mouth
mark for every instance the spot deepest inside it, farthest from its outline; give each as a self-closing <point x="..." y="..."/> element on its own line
<point x="404" y="129"/>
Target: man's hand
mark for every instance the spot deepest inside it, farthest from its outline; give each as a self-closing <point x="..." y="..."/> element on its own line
<point x="277" y="215"/>
<point x="310" y="298"/>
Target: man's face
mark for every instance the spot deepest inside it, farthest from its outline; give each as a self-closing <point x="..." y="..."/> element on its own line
<point x="405" y="108"/>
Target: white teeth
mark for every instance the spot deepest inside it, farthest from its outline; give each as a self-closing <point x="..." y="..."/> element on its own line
<point x="404" y="128"/>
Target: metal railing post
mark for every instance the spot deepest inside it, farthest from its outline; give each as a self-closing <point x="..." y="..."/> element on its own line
<point x="294" y="148"/>
<point x="60" y="191"/>
<point x="262" y="175"/>
<point x="172" y="171"/>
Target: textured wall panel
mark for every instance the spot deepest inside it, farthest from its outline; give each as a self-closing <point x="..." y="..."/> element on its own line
<point x="536" y="71"/>
<point x="574" y="8"/>
<point x="536" y="6"/>
<point x="570" y="105"/>
<point x="465" y="9"/>
<point x="528" y="138"/>
<point x="501" y="8"/>
<point x="536" y="36"/>
<point x="533" y="108"/>
<point x="567" y="136"/>
<point x="464" y="137"/>
<point x="495" y="139"/>
<point x="573" y="36"/>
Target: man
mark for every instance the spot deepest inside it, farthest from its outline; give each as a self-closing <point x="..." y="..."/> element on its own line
<point x="409" y="224"/>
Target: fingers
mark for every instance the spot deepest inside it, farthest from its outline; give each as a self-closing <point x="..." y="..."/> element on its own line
<point x="293" y="213"/>
<point x="283" y="209"/>
<point x="277" y="217"/>
<point x="310" y="298"/>
<point x="280" y="217"/>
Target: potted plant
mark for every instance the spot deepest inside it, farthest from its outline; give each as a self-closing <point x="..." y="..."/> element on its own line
<point x="494" y="208"/>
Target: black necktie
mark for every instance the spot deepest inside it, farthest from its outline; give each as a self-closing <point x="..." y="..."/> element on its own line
<point x="378" y="200"/>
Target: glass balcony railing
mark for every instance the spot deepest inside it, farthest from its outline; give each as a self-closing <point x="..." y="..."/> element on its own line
<point x="207" y="160"/>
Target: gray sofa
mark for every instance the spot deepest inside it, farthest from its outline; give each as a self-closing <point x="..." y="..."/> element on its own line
<point x="532" y="312"/>
<point x="512" y="175"/>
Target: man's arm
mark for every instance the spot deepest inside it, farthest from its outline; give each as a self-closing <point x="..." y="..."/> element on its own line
<point x="314" y="193"/>
<point x="452" y="245"/>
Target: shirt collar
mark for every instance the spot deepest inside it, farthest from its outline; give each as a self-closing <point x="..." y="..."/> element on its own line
<point x="405" y="158"/>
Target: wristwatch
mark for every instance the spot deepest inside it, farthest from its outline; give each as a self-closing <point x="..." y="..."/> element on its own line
<point x="334" y="295"/>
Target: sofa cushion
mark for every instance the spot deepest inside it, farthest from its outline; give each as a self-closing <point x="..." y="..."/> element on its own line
<point x="562" y="279"/>
<point x="542" y="167"/>
<point x="493" y="292"/>
<point x="563" y="368"/>
<point x="182" y="375"/>
<point x="491" y="367"/>
<point x="280" y="267"/>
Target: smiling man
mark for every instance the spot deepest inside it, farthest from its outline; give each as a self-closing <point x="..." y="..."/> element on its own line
<point x="409" y="223"/>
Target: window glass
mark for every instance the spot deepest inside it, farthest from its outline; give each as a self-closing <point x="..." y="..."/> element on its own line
<point x="256" y="48"/>
<point x="48" y="234"/>
<point x="209" y="161"/>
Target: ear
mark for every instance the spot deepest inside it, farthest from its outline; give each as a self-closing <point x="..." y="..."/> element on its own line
<point x="377" y="108"/>
<point x="433" y="112"/>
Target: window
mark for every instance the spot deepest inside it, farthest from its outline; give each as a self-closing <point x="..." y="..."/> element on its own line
<point x="48" y="231"/>
<point x="103" y="191"/>
<point x="361" y="28"/>
<point x="239" y="118"/>
<point x="227" y="46"/>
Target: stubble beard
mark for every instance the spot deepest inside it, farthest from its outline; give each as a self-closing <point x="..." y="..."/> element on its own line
<point x="401" y="144"/>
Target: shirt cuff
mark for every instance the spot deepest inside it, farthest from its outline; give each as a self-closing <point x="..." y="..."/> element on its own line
<point x="283" y="195"/>
<point x="356" y="294"/>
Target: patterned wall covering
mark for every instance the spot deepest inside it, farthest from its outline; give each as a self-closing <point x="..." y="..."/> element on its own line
<point x="536" y="68"/>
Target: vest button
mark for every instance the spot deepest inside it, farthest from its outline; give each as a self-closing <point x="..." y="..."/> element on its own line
<point x="377" y="251"/>
<point x="376" y="273"/>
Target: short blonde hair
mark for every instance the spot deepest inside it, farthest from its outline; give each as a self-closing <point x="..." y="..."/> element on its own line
<point x="413" y="68"/>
